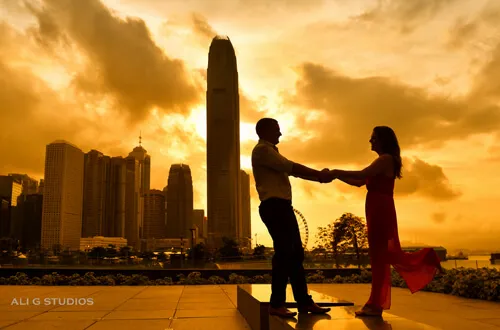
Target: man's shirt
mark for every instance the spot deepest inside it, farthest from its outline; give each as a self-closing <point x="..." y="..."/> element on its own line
<point x="271" y="171"/>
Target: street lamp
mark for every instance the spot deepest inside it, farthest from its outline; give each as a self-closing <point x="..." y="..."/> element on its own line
<point x="182" y="251"/>
<point x="193" y="232"/>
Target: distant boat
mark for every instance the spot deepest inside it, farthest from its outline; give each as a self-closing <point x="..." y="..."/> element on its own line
<point x="495" y="258"/>
<point x="459" y="256"/>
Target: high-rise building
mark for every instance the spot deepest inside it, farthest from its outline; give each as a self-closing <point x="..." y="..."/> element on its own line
<point x="246" y="223"/>
<point x="40" y="187"/>
<point x="198" y="217"/>
<point x="133" y="202"/>
<point x="30" y="185"/>
<point x="95" y="187"/>
<point x="63" y="196"/>
<point x="223" y="142"/>
<point x="114" y="224"/>
<point x="154" y="214"/>
<point x="30" y="208"/>
<point x="10" y="190"/>
<point x="142" y="179"/>
<point x="165" y="189"/>
<point x="4" y="217"/>
<point x="179" y="201"/>
<point x="144" y="159"/>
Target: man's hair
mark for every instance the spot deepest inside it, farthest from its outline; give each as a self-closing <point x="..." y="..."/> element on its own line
<point x="264" y="124"/>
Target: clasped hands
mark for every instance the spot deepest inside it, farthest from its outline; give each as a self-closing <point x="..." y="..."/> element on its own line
<point x="327" y="176"/>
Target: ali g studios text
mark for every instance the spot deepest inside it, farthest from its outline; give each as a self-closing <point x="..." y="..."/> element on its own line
<point x="49" y="301"/>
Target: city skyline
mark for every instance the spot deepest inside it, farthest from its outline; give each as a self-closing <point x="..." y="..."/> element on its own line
<point x="329" y="72"/>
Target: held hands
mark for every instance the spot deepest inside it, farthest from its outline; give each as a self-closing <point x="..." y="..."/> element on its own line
<point x="326" y="176"/>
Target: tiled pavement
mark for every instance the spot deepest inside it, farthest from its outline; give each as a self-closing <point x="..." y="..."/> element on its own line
<point x="123" y="308"/>
<point x="209" y="307"/>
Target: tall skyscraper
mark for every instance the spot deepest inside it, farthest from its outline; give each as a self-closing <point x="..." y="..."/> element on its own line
<point x="40" y="187"/>
<point x="165" y="189"/>
<point x="179" y="201"/>
<point x="144" y="159"/>
<point x="10" y="190"/>
<point x="246" y="223"/>
<point x="95" y="186"/>
<point x="154" y="214"/>
<point x="4" y="217"/>
<point x="142" y="176"/>
<point x="223" y="142"/>
<point x="198" y="217"/>
<point x="63" y="196"/>
<point x="134" y="202"/>
<point x="30" y="208"/>
<point x="30" y="185"/>
<point x="114" y="224"/>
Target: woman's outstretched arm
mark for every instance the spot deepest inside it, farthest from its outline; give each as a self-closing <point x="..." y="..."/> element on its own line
<point x="353" y="182"/>
<point x="378" y="166"/>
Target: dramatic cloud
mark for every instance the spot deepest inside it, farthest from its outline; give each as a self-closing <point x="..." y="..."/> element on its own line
<point x="487" y="86"/>
<point x="420" y="179"/>
<point x="202" y="28"/>
<point x="33" y="114"/>
<point x="123" y="60"/>
<point x="425" y="180"/>
<point x="30" y="113"/>
<point x="351" y="107"/>
<point x="475" y="29"/>
<point x="407" y="15"/>
<point x="249" y="109"/>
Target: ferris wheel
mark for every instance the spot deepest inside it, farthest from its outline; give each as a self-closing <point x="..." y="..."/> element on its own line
<point x="303" y="228"/>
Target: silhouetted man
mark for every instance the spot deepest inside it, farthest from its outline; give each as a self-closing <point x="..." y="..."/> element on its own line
<point x="271" y="171"/>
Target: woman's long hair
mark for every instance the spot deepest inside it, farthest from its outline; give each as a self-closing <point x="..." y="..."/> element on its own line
<point x="388" y="143"/>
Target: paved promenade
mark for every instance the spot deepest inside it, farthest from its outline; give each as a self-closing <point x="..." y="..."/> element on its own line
<point x="205" y="307"/>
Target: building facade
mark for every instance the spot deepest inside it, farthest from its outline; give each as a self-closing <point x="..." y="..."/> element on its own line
<point x="30" y="233"/>
<point x="88" y="243"/>
<point x="246" y="221"/>
<point x="10" y="190"/>
<point x="96" y="180"/>
<point x="114" y="224"/>
<point x="198" y="217"/>
<point x="63" y="196"/>
<point x="223" y="143"/>
<point x="179" y="201"/>
<point x="154" y="215"/>
<point x="29" y="185"/>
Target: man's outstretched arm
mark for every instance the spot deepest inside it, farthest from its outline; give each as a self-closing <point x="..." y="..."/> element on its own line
<point x="268" y="157"/>
<point x="306" y="173"/>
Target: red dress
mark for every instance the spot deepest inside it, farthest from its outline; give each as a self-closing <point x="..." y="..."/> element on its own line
<point x="416" y="268"/>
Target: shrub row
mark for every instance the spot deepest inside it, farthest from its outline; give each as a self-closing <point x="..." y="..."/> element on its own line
<point x="481" y="283"/>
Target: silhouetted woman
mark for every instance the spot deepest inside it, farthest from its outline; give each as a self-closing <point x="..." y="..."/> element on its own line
<point x="417" y="268"/>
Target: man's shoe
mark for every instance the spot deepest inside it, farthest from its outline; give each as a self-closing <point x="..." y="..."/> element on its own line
<point x="313" y="308"/>
<point x="281" y="312"/>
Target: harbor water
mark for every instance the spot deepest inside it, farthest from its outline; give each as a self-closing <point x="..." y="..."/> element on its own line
<point x="472" y="262"/>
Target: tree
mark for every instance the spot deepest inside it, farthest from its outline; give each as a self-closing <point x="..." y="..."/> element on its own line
<point x="258" y="251"/>
<point x="230" y="248"/>
<point x="197" y="252"/>
<point x="345" y="232"/>
<point x="126" y="251"/>
<point x="57" y="248"/>
<point x="98" y="252"/>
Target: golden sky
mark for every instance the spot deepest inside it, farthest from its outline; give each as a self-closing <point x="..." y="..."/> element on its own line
<point x="96" y="73"/>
